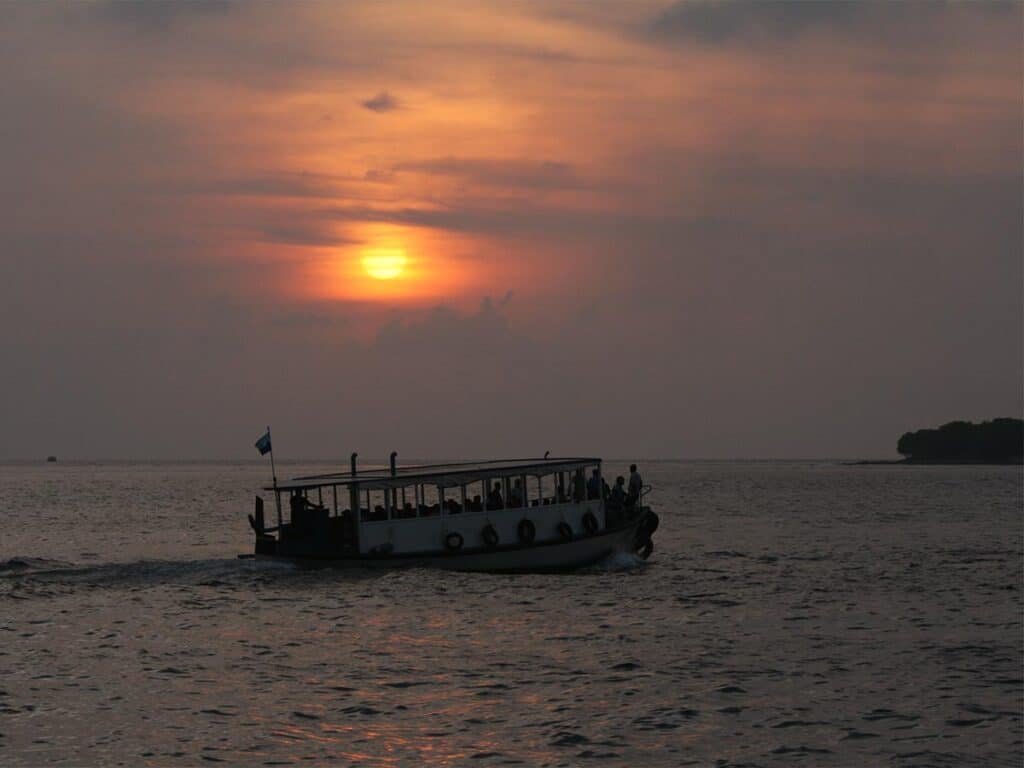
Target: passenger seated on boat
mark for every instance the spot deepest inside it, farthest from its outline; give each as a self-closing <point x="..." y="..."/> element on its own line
<point x="299" y="506"/>
<point x="494" y="500"/>
<point x="379" y="513"/>
<point x="408" y="510"/>
<point x="474" y="504"/>
<point x="594" y="485"/>
<point x="515" y="496"/>
<point x="451" y="506"/>
<point x="579" y="489"/>
<point x="618" y="494"/>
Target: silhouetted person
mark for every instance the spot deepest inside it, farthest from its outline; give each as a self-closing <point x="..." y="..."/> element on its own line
<point x="636" y="485"/>
<point x="594" y="485"/>
<point x="579" y="486"/>
<point x="515" y="496"/>
<point x="476" y="505"/>
<point x="298" y="505"/>
<point x="562" y="496"/>
<point x="618" y="495"/>
<point x="494" y="500"/>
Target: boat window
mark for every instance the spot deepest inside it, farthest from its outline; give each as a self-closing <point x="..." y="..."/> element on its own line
<point x="476" y="493"/>
<point x="453" y="499"/>
<point x="375" y="505"/>
<point x="429" y="500"/>
<point x="517" y="492"/>
<point x="548" y="489"/>
<point x="497" y="493"/>
<point x="405" y="502"/>
<point x="364" y="505"/>
<point x="577" y="485"/>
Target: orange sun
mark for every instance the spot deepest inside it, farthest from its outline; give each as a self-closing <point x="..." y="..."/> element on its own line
<point x="384" y="263"/>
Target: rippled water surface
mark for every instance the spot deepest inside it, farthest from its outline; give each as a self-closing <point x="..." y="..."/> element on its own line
<point x="791" y="613"/>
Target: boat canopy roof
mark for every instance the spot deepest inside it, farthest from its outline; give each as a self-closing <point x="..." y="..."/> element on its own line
<point x="446" y="475"/>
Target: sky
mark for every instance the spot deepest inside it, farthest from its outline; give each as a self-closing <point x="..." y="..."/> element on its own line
<point x="624" y="229"/>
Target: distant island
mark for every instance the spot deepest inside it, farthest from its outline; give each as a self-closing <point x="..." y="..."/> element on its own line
<point x="1000" y="441"/>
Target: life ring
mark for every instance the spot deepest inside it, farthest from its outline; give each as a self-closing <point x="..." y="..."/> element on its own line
<point x="590" y="524"/>
<point x="526" y="531"/>
<point x="565" y="530"/>
<point x="453" y="541"/>
<point x="490" y="536"/>
<point x="645" y="549"/>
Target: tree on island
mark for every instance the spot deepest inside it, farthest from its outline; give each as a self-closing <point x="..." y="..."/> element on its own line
<point x="1000" y="441"/>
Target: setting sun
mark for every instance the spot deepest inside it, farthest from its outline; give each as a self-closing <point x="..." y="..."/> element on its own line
<point x="384" y="263"/>
<point x="392" y="264"/>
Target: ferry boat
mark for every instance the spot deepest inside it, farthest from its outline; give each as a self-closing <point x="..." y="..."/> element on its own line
<point x="505" y="515"/>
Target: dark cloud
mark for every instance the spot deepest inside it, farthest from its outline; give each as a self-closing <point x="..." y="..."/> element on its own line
<point x="382" y="102"/>
<point x="378" y="176"/>
<point x="280" y="184"/>
<point x="160" y="15"/>
<point x="292" y="232"/>
<point x="716" y="21"/>
<point x="727" y="21"/>
<point x="494" y="172"/>
<point x="529" y="220"/>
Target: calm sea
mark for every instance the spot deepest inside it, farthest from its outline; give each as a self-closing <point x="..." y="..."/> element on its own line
<point x="807" y="613"/>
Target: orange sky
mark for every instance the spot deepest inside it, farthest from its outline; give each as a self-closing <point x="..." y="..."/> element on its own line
<point x="737" y="192"/>
<point x="372" y="123"/>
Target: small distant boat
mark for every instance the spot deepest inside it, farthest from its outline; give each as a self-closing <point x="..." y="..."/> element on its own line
<point x="506" y="515"/>
<point x="51" y="458"/>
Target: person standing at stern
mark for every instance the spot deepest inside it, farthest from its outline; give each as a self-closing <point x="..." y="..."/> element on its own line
<point x="636" y="485"/>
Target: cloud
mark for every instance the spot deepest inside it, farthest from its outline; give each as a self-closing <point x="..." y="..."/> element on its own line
<point x="728" y="21"/>
<point x="300" y="233"/>
<point x="717" y="21"/>
<point x="497" y="172"/>
<point x="159" y="16"/>
<point x="377" y="176"/>
<point x="302" y="184"/>
<point x="382" y="102"/>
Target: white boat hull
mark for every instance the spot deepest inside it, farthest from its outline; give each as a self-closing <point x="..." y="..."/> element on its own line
<point x="540" y="556"/>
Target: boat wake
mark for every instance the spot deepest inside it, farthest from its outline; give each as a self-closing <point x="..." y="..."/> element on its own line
<point x="23" y="571"/>
<point x="19" y="565"/>
<point x="619" y="561"/>
<point x="31" y="577"/>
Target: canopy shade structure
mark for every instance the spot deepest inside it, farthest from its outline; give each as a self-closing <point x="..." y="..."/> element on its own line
<point x="446" y="475"/>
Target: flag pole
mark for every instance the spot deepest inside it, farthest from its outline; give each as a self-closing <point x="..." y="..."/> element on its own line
<point x="273" y="474"/>
<point x="273" y="471"/>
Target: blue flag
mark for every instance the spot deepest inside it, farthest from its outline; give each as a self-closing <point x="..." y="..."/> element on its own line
<point x="263" y="444"/>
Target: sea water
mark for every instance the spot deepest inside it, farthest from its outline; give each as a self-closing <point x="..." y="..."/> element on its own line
<point x="809" y="613"/>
